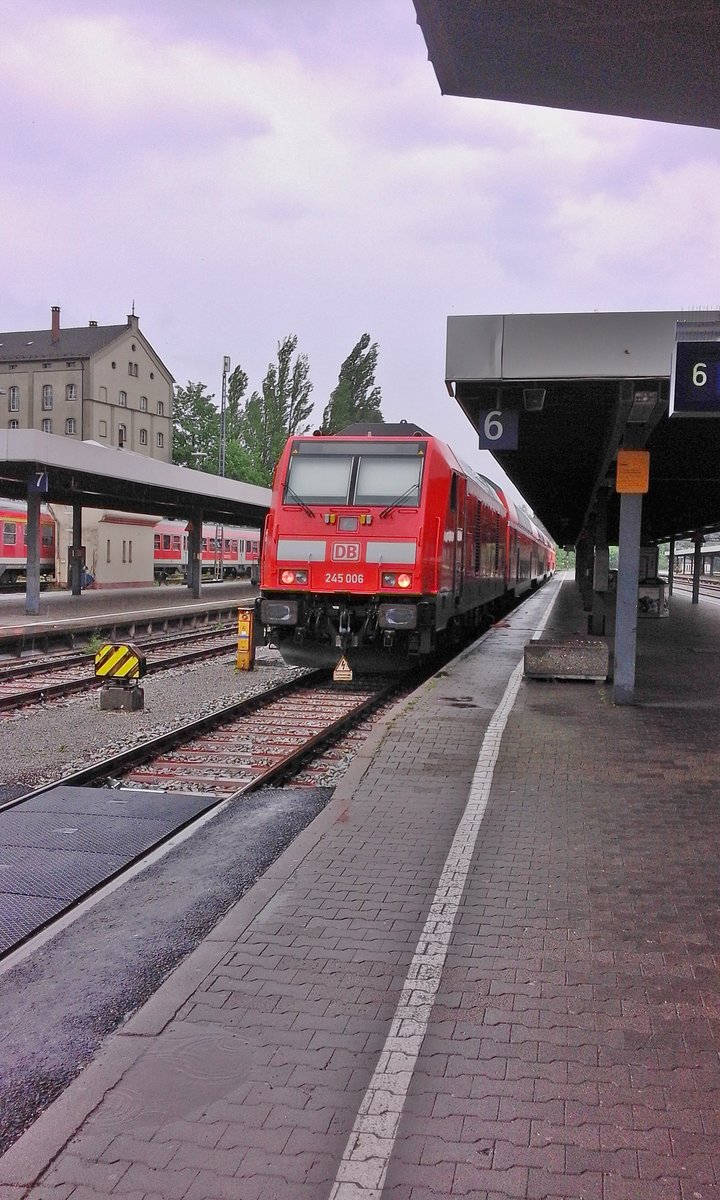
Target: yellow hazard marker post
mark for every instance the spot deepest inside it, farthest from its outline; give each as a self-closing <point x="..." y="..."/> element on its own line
<point x="245" y="659"/>
<point x="119" y="666"/>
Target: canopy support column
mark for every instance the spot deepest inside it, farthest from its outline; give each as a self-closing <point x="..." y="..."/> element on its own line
<point x="601" y="569"/>
<point x="194" y="566"/>
<point x="671" y="565"/>
<point x="697" y="567"/>
<point x="627" y="598"/>
<point x="76" y="559"/>
<point x="32" y="574"/>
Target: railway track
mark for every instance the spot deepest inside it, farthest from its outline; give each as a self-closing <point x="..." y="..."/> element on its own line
<point x="168" y="784"/>
<point x="55" y="677"/>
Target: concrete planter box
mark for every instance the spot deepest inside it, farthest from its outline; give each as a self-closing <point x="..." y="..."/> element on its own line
<point x="579" y="658"/>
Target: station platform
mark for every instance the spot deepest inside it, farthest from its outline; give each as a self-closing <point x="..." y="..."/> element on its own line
<point x="489" y="968"/>
<point x="61" y="611"/>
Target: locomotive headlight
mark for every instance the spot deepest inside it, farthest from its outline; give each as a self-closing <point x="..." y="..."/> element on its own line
<point x="301" y="576"/>
<point x="293" y="576"/>
<point x="404" y="581"/>
<point x="389" y="579"/>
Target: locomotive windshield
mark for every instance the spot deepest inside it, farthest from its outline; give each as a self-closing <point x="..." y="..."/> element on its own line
<point x="362" y="474"/>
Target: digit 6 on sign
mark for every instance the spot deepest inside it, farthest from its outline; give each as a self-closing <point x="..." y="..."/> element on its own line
<point x="493" y="427"/>
<point x="699" y="375"/>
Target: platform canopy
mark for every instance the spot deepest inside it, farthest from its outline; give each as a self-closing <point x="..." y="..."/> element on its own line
<point x="97" y="476"/>
<point x="583" y="385"/>
<point x="655" y="59"/>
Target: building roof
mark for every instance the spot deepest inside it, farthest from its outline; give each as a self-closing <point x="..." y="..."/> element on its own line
<point x="31" y="344"/>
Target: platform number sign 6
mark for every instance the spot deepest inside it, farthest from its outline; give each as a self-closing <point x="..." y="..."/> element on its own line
<point x="498" y="430"/>
<point x="695" y="381"/>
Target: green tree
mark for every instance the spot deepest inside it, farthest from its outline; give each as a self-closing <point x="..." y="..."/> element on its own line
<point x="356" y="397"/>
<point x="270" y="416"/>
<point x="196" y="428"/>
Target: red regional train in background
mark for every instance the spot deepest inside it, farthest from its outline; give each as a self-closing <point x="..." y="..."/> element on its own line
<point x="239" y="557"/>
<point x="13" y="547"/>
<point x="227" y="551"/>
<point x="380" y="545"/>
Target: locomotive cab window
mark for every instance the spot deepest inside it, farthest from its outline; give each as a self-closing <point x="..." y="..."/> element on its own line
<point x="319" y="479"/>
<point x="388" y="480"/>
<point x="379" y="474"/>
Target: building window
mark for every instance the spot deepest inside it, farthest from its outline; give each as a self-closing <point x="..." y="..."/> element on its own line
<point x="130" y="550"/>
<point x="122" y="399"/>
<point x="13" y="424"/>
<point x="103" y="395"/>
<point x="107" y="550"/>
<point x="102" y="428"/>
<point x="124" y="550"/>
<point x="122" y="435"/>
<point x="161" y="409"/>
<point x="47" y="425"/>
<point x="14" y="399"/>
<point x="143" y="404"/>
<point x="47" y="395"/>
<point x="71" y="425"/>
<point x="71" y="392"/>
<point x="143" y="437"/>
<point x="161" y="440"/>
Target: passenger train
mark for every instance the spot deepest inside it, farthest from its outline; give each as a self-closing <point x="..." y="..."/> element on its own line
<point x="381" y="546"/>
<point x="13" y="546"/>
<point x="227" y="551"/>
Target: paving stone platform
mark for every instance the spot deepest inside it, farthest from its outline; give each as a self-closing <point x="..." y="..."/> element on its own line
<point x="565" y="1044"/>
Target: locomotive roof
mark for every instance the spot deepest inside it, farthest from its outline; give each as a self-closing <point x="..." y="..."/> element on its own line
<point x="384" y="429"/>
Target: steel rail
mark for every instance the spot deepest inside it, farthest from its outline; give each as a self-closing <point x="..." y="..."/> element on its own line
<point x="108" y="768"/>
<point x="70" y="687"/>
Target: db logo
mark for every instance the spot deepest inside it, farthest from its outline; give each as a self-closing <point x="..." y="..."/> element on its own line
<point x="346" y="552"/>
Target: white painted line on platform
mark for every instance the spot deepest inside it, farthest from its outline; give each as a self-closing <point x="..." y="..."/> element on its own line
<point x="366" y="1158"/>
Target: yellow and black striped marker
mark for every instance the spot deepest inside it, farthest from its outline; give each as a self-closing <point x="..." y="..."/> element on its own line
<point x="119" y="661"/>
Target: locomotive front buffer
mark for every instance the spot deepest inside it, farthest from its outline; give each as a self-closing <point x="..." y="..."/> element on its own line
<point x="119" y="667"/>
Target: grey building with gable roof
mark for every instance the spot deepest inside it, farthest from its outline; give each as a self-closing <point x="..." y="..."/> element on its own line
<point x="102" y="383"/>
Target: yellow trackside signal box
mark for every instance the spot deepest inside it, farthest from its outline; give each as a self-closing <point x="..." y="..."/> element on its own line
<point x="245" y="659"/>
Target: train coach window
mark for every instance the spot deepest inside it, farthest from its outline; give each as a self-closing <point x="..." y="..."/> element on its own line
<point x="156" y="541"/>
<point x="46" y="535"/>
<point x="319" y="479"/>
<point x="388" y="480"/>
<point x="176" y="541"/>
<point x="166" y="541"/>
<point x="9" y="533"/>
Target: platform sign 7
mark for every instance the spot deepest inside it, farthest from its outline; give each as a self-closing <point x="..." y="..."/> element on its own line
<point x="38" y="481"/>
<point x="695" y="380"/>
<point x="498" y="430"/>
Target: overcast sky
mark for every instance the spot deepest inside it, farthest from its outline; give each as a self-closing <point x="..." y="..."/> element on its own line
<point x="246" y="169"/>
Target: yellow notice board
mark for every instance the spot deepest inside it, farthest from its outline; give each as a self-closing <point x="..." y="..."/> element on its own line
<point x="633" y="471"/>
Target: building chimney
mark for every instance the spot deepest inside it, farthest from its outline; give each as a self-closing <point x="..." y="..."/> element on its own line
<point x="55" y="323"/>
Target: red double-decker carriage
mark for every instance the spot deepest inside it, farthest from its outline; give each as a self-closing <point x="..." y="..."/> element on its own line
<point x="380" y="545"/>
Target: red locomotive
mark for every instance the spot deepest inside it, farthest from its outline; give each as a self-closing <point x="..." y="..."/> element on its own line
<point x="227" y="551"/>
<point x="380" y="545"/>
<point x="13" y="549"/>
